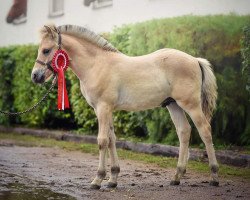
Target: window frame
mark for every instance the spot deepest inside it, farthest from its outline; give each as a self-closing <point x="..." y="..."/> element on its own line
<point x="55" y="13"/>
<point x="97" y="4"/>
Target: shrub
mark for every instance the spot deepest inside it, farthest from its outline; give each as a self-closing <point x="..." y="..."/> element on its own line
<point x="7" y="66"/>
<point x="245" y="52"/>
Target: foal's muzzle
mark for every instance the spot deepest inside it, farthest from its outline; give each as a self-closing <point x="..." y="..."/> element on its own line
<point x="38" y="76"/>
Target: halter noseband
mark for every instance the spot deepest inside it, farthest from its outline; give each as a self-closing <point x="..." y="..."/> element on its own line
<point x="48" y="64"/>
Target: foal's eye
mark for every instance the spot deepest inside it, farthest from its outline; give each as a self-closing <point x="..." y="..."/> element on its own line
<point x="46" y="51"/>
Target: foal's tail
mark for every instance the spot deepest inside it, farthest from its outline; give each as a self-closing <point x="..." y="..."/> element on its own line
<point x="209" y="88"/>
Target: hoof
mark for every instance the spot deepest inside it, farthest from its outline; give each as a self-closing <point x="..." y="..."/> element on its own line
<point x="95" y="187"/>
<point x="214" y="183"/>
<point x="175" y="183"/>
<point x="111" y="185"/>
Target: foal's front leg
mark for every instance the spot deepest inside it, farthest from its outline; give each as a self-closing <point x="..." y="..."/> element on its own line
<point x="103" y="113"/>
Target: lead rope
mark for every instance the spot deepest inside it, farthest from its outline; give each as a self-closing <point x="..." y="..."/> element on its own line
<point x="35" y="105"/>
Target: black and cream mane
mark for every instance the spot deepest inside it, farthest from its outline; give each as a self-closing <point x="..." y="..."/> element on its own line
<point x="82" y="32"/>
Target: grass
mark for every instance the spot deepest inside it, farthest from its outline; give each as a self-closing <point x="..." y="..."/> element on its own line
<point x="164" y="162"/>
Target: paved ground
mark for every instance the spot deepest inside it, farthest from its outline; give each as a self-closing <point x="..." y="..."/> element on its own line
<point x="70" y="172"/>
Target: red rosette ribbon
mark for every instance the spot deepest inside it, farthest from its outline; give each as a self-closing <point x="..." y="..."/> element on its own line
<point x="60" y="63"/>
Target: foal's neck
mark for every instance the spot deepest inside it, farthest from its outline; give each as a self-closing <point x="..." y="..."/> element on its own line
<point x="82" y="54"/>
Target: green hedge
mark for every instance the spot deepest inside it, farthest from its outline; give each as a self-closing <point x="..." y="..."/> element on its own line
<point x="245" y="51"/>
<point x="216" y="38"/>
<point x="7" y="63"/>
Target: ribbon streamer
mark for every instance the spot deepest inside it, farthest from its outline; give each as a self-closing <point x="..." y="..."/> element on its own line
<point x="60" y="63"/>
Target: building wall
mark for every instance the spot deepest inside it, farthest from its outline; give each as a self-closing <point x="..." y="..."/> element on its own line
<point x="104" y="19"/>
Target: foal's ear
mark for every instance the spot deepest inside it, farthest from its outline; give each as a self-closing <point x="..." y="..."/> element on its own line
<point x="49" y="30"/>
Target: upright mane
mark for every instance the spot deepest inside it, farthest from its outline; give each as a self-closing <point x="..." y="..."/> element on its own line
<point x="82" y="32"/>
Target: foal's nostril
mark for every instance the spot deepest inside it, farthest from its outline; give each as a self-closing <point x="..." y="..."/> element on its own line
<point x="34" y="76"/>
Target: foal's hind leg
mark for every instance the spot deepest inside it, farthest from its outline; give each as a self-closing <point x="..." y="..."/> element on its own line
<point x="115" y="169"/>
<point x="183" y="130"/>
<point x="204" y="129"/>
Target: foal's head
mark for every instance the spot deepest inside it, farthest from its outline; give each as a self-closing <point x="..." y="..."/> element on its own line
<point x="49" y="44"/>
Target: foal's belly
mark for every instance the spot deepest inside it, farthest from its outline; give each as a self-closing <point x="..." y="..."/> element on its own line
<point x="142" y="89"/>
<point x="139" y="106"/>
<point x="141" y="98"/>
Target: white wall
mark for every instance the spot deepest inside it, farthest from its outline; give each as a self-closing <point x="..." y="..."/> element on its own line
<point x="104" y="19"/>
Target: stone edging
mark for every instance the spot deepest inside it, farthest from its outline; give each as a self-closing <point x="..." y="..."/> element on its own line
<point x="225" y="157"/>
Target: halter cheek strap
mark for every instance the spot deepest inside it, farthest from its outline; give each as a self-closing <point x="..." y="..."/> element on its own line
<point x="59" y="40"/>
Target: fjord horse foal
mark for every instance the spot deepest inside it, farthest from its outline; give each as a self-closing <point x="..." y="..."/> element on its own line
<point x="110" y="80"/>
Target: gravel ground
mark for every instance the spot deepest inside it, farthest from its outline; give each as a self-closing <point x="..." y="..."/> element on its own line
<point x="70" y="173"/>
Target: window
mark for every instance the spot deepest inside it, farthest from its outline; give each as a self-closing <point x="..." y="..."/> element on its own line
<point x="102" y="3"/>
<point x="98" y="3"/>
<point x="56" y="8"/>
